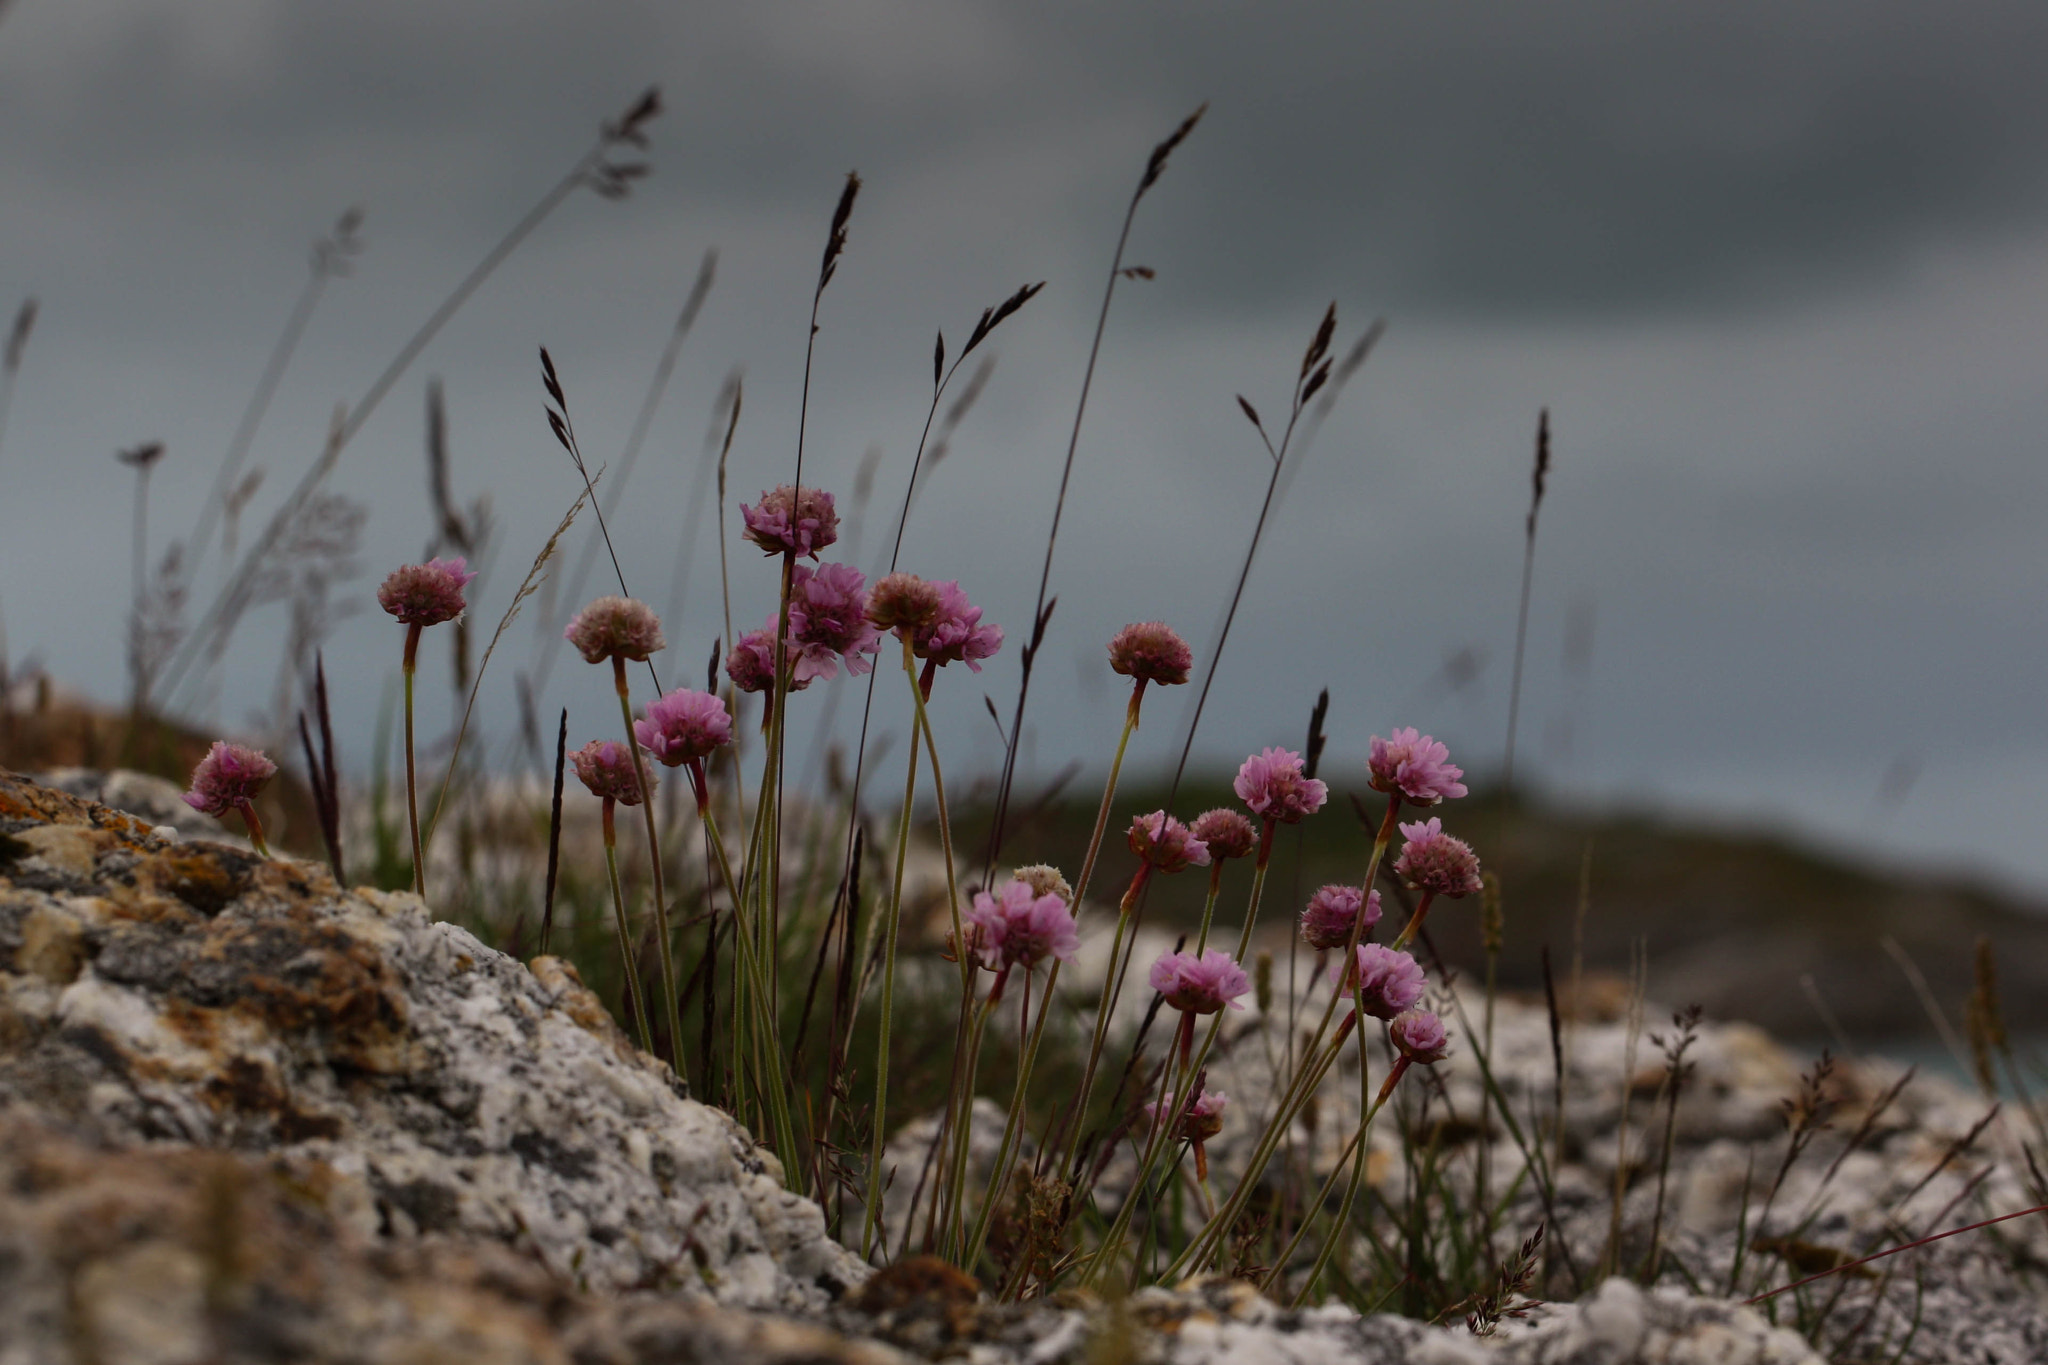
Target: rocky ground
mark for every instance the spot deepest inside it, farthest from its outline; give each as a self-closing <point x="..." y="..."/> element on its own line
<point x="246" y="1115"/>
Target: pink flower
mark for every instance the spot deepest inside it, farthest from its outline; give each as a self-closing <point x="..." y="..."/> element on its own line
<point x="1333" y="913"/>
<point x="1432" y="860"/>
<point x="1227" y="833"/>
<point x="1150" y="651"/>
<point x="1203" y="1120"/>
<point x="903" y="601"/>
<point x="1200" y="985"/>
<point x="606" y="767"/>
<point x="620" y="627"/>
<point x="426" y="594"/>
<point x="228" y="778"/>
<point x="791" y="520"/>
<point x="751" y="664"/>
<point x="1416" y="766"/>
<point x="1391" y="981"/>
<point x="684" y="727"/>
<point x="1023" y="928"/>
<point x="1272" y="784"/>
<point x="956" y="634"/>
<point x="828" y="621"/>
<point x="1166" y="843"/>
<point x="1420" y="1036"/>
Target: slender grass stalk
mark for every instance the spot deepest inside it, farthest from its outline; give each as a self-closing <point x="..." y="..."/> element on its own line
<point x="623" y="925"/>
<point x="10" y="359"/>
<point x="410" y="666"/>
<point x="671" y="1006"/>
<point x="547" y="914"/>
<point x="1539" y="473"/>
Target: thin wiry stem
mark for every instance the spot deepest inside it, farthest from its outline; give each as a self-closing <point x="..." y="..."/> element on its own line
<point x="1537" y="477"/>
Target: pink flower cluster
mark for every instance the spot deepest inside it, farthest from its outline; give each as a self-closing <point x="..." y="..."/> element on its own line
<point x="1433" y="861"/>
<point x="828" y="622"/>
<point x="1203" y="1120"/>
<point x="229" y="778"/>
<point x="1200" y="985"/>
<point x="1420" y="1036"/>
<point x="1274" y="785"/>
<point x="1151" y="651"/>
<point x="1333" y="914"/>
<point x="1389" y="981"/>
<point x="1166" y="843"/>
<point x="792" y="520"/>
<point x="606" y="768"/>
<point x="615" y="627"/>
<point x="1226" y="832"/>
<point x="955" y="633"/>
<point x="1022" y="928"/>
<point x="1415" y="766"/>
<point x="684" y="727"/>
<point x="426" y="594"/>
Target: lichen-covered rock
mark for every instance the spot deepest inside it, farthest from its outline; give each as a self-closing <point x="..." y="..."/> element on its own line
<point x="191" y="993"/>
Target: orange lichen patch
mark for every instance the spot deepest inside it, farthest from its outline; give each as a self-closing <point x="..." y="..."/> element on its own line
<point x="567" y="993"/>
<point x="206" y="877"/>
<point x="917" y="1280"/>
<point x="21" y="799"/>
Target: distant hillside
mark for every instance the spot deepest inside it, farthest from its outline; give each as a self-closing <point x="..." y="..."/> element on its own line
<point x="1732" y="921"/>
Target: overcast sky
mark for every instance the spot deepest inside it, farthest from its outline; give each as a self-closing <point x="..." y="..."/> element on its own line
<point x="1779" y="272"/>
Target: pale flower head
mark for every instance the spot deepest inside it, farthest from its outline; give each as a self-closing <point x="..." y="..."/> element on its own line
<point x="1200" y="985"/>
<point x="1333" y="913"/>
<point x="1420" y="1036"/>
<point x="228" y="778"/>
<point x="903" y="601"/>
<point x="1044" y="880"/>
<point x="615" y="627"/>
<point x="791" y="520"/>
<point x="684" y="727"/>
<point x="426" y="594"/>
<point x="1416" y="766"/>
<point x="1021" y="928"/>
<point x="1151" y="651"/>
<point x="1389" y="980"/>
<point x="1227" y="833"/>
<point x="1166" y="843"/>
<point x="1432" y="860"/>
<point x="1273" y="784"/>
<point x="606" y="768"/>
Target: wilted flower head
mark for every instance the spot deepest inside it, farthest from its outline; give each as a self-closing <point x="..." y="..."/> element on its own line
<point x="1203" y="1120"/>
<point x="828" y="621"/>
<point x="228" y="778"/>
<point x="1227" y="833"/>
<point x="620" y="627"/>
<point x="903" y="601"/>
<point x="1271" y="782"/>
<point x="1390" y="981"/>
<point x="1022" y="928"/>
<point x="751" y="662"/>
<point x="1434" y="861"/>
<point x="426" y="594"/>
<point x="1150" y="651"/>
<point x="606" y="767"/>
<point x="684" y="726"/>
<point x="1420" y="1036"/>
<point x="955" y="633"/>
<point x="1044" y="880"/>
<point x="1333" y="913"/>
<point x="1416" y="766"/>
<point x="791" y="520"/>
<point x="1166" y="843"/>
<point x="1200" y="985"/>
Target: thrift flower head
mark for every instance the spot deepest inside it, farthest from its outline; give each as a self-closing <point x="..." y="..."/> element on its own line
<point x="1272" y="784"/>
<point x="828" y="621"/>
<point x="1021" y="928"/>
<point x="684" y="727"/>
<point x="1150" y="651"/>
<point x="1044" y="880"/>
<point x="791" y="520"/>
<point x="955" y="633"/>
<point x="903" y="601"/>
<point x="615" y="627"/>
<point x="1227" y="833"/>
<point x="1415" y="766"/>
<point x="607" y="769"/>
<point x="1389" y="981"/>
<point x="1200" y="985"/>
<point x="1420" y="1036"/>
<point x="751" y="664"/>
<point x="1203" y="1120"/>
<point x="1332" y="914"/>
<point x="1166" y="843"/>
<point x="426" y="594"/>
<point x="228" y="778"/>
<point x="1433" y="861"/>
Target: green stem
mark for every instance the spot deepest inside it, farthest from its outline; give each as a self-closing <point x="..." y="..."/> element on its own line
<point x="611" y="865"/>
<point x="412" y="782"/>
<point x="670" y="1001"/>
<point x="768" y="1078"/>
